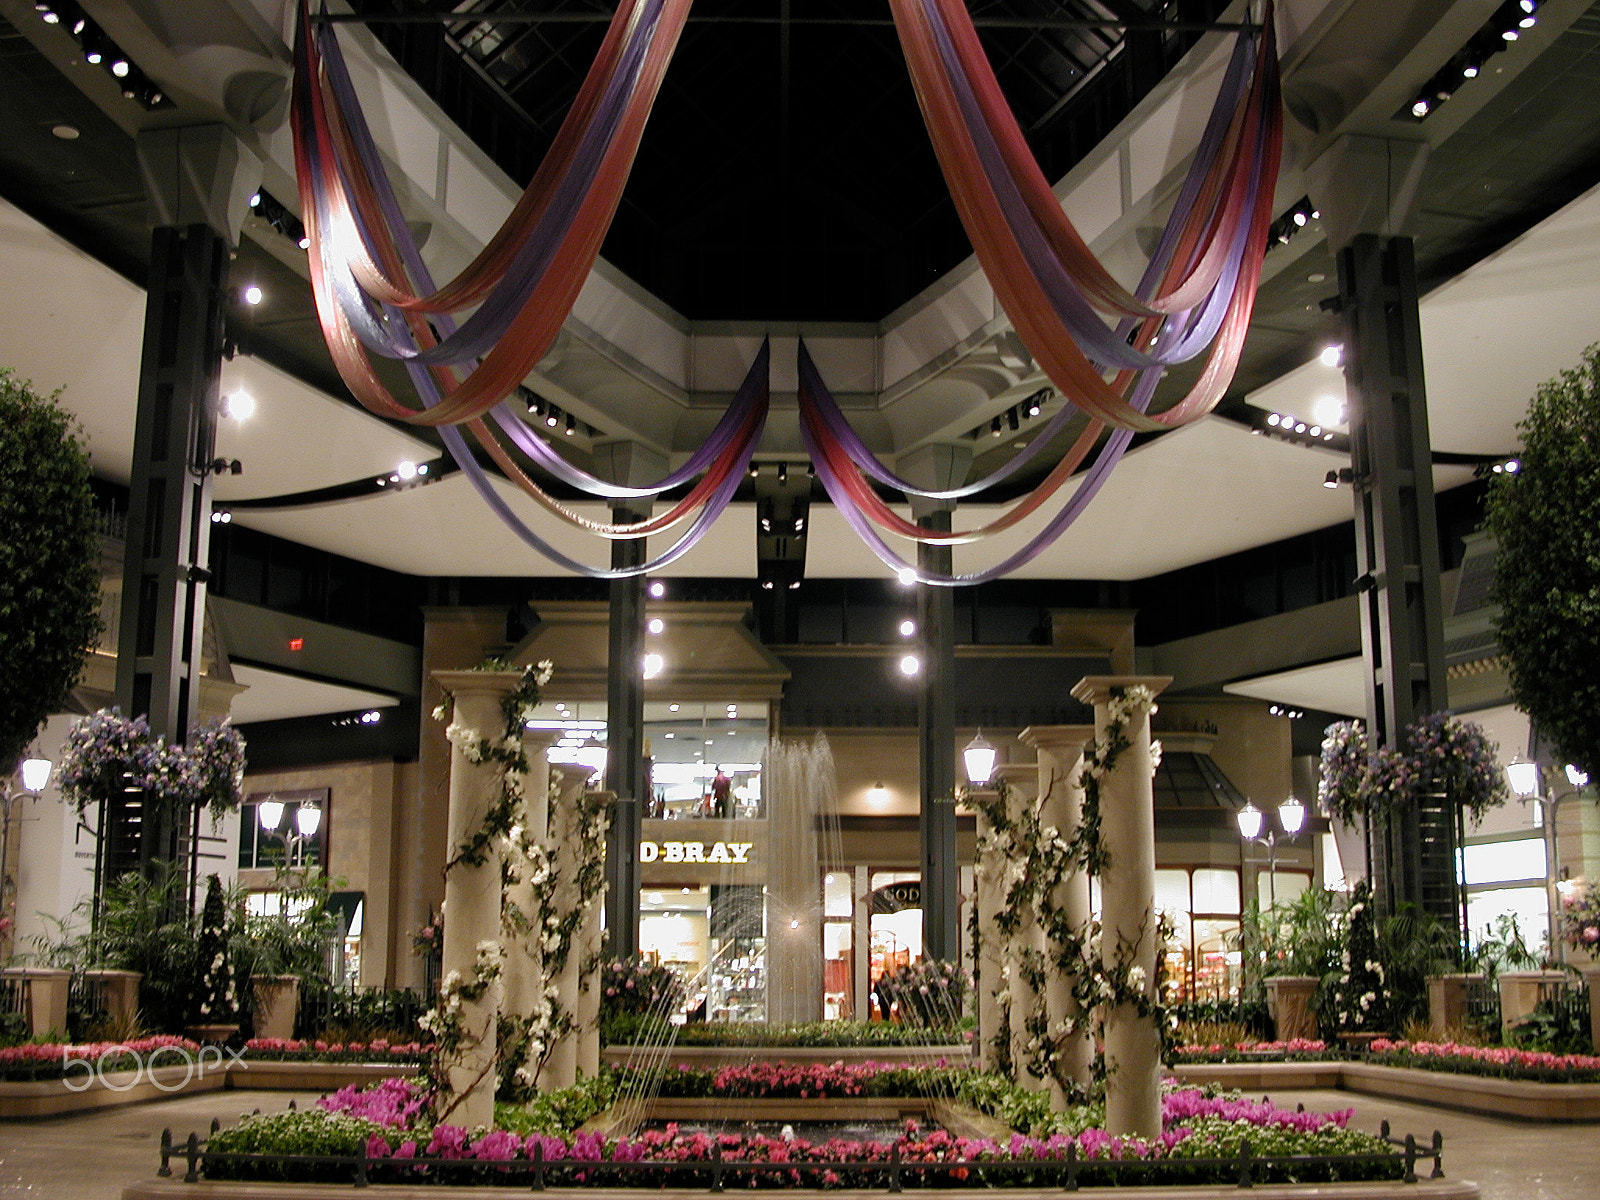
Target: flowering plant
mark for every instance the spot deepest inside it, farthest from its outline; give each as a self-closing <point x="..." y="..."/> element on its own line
<point x="429" y="939"/>
<point x="1579" y="920"/>
<point x="928" y="993"/>
<point x="215" y="1000"/>
<point x="1442" y="754"/>
<point x="1361" y="997"/>
<point x="319" y="1050"/>
<point x="638" y="987"/>
<point x="106" y="753"/>
<point x="1507" y="1061"/>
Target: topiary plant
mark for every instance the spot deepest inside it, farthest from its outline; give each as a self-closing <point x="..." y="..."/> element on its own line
<point x="1546" y="518"/>
<point x="49" y="562"/>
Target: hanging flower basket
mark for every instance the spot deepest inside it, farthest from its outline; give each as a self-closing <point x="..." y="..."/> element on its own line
<point x="106" y="753"/>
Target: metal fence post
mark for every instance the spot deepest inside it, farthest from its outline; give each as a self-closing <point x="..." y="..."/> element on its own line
<point x="538" y="1165"/>
<point x="1411" y="1158"/>
<point x="1072" y="1166"/>
<point x="166" y="1153"/>
<point x="894" y="1167"/>
<point x="716" y="1166"/>
<point x="361" y="1166"/>
<point x="191" y="1151"/>
<point x="1438" y="1155"/>
<point x="1245" y="1179"/>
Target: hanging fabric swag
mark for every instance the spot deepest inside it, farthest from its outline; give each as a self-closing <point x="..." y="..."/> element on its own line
<point x="375" y="295"/>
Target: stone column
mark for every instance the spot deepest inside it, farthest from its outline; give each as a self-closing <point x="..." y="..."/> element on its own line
<point x="524" y="970"/>
<point x="1127" y="897"/>
<point x="989" y="958"/>
<point x="561" y="1068"/>
<point x="472" y="893"/>
<point x="1028" y="937"/>
<point x="1060" y="752"/>
<point x="588" y="947"/>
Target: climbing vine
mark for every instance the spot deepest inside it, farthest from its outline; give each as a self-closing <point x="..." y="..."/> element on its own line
<point x="1035" y="859"/>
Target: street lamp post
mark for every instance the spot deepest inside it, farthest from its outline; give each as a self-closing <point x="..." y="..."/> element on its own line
<point x="33" y="775"/>
<point x="307" y="820"/>
<point x="1291" y="821"/>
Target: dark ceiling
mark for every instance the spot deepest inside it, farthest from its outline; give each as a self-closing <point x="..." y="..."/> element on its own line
<point x="828" y="206"/>
<point x="786" y="173"/>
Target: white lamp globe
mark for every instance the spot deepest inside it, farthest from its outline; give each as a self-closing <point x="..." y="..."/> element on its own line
<point x="1249" y="818"/>
<point x="1523" y="776"/>
<point x="35" y="773"/>
<point x="1292" y="816"/>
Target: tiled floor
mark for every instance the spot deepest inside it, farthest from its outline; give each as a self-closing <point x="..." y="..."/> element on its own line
<point x="92" y="1157"/>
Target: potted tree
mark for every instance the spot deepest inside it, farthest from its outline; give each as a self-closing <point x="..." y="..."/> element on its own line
<point x="214" y="1000"/>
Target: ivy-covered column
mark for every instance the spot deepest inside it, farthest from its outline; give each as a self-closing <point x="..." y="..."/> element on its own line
<point x="1024" y="957"/>
<point x="588" y="950"/>
<point x="989" y="950"/>
<point x="527" y="875"/>
<point x="577" y="841"/>
<point x="1119" y="765"/>
<point x="469" y="1003"/>
<point x="1063" y="902"/>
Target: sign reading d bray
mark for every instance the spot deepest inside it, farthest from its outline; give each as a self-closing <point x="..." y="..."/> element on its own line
<point x="695" y="852"/>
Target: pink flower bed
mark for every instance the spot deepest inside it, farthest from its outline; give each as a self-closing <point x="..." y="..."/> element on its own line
<point x="377" y="1050"/>
<point x="393" y="1103"/>
<point x="50" y="1060"/>
<point x="805" y="1081"/>
<point x="1494" y="1060"/>
<point x="1219" y="1052"/>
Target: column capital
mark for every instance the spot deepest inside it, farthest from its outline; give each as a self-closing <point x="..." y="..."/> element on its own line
<point x="1097" y="689"/>
<point x="540" y="739"/>
<point x="478" y="683"/>
<point x="1064" y="741"/>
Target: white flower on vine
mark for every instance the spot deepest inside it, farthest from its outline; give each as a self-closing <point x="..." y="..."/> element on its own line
<point x="452" y="980"/>
<point x="441" y="711"/>
<point x="544" y="671"/>
<point x="1136" y="977"/>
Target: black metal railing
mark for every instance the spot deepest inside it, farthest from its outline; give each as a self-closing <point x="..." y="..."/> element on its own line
<point x="1070" y="1172"/>
<point x="360" y="1012"/>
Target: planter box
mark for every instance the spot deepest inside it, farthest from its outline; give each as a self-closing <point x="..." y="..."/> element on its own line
<point x="277" y="1003"/>
<point x="1289" y="1001"/>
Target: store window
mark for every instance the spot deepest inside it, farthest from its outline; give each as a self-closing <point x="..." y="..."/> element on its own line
<point x="895" y="927"/>
<point x="838" y="941"/>
<point x="1203" y="904"/>
<point x="713" y="938"/>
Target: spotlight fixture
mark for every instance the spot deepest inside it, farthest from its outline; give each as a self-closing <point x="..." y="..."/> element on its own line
<point x="1013" y="419"/>
<point x="252" y="295"/>
<point x="552" y="416"/>
<point x="1344" y="475"/>
<point x="240" y="405"/>
<point x="910" y="664"/>
<point x="994" y="427"/>
<point x="783" y="472"/>
<point x="907" y="627"/>
<point x="221" y="516"/>
<point x="572" y="425"/>
<point x="658" y="589"/>
<point x="906" y="575"/>
<point x="656" y="625"/>
<point x="224" y="466"/>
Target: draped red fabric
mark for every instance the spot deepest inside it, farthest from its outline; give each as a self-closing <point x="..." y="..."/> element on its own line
<point x="1008" y="271"/>
<point x="534" y="329"/>
<point x="489" y="266"/>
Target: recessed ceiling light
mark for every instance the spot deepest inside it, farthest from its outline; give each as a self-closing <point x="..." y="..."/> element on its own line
<point x="672" y="708"/>
<point x="66" y="133"/>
